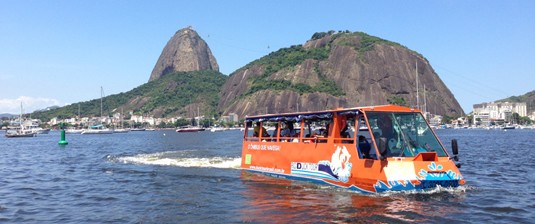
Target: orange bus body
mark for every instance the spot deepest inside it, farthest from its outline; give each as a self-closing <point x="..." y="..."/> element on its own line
<point x="339" y="160"/>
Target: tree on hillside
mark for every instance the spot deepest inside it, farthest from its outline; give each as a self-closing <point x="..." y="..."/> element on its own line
<point x="525" y="121"/>
<point x="181" y="122"/>
<point x="396" y="100"/>
<point x="193" y="122"/>
<point x="515" y="118"/>
<point x="470" y="119"/>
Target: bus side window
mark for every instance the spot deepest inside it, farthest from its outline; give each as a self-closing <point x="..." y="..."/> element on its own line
<point x="347" y="133"/>
<point x="365" y="146"/>
<point x="249" y="132"/>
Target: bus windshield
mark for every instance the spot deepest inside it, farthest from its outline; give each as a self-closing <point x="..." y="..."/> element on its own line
<point x="407" y="133"/>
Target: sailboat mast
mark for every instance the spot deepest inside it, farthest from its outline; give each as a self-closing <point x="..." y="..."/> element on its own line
<point x="425" y="101"/>
<point x="101" y="93"/>
<point x="417" y="93"/>
<point x="20" y="117"/>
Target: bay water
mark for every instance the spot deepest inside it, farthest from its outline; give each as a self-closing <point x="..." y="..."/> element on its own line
<point x="169" y="177"/>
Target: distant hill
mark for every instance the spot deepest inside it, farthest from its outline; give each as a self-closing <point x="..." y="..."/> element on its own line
<point x="176" y="94"/>
<point x="336" y="69"/>
<point x="7" y="115"/>
<point x="528" y="98"/>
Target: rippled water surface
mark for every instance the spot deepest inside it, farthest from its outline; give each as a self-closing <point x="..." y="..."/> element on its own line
<point x="169" y="177"/>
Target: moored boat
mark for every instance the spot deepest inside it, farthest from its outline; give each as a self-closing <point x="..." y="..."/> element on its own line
<point x="393" y="149"/>
<point x="34" y="127"/>
<point x="74" y="131"/>
<point x="217" y="129"/>
<point x="97" y="129"/>
<point x="19" y="130"/>
<point x="509" y="126"/>
<point x="121" y="130"/>
<point x="190" y="129"/>
<point x="40" y="130"/>
<point x="13" y="132"/>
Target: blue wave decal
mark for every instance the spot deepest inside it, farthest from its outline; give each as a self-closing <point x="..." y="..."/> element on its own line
<point x="429" y="179"/>
<point x="381" y="186"/>
<point x="449" y="175"/>
<point x="315" y="174"/>
<point x="311" y="180"/>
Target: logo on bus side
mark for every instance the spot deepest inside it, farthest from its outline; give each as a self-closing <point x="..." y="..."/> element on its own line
<point x="263" y="147"/>
<point x="338" y="169"/>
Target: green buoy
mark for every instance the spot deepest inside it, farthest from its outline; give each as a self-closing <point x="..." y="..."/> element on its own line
<point x="62" y="140"/>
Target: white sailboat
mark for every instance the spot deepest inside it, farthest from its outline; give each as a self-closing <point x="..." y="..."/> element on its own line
<point x="98" y="129"/>
<point x="121" y="129"/>
<point x="19" y="131"/>
<point x="190" y="128"/>
<point x="74" y="130"/>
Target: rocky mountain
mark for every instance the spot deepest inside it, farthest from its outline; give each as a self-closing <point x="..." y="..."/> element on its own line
<point x="332" y="69"/>
<point x="186" y="51"/>
<point x="336" y="69"/>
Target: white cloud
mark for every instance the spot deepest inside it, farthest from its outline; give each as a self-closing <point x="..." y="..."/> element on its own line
<point x="29" y="104"/>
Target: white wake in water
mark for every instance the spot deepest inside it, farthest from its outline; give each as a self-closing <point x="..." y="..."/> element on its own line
<point x="163" y="159"/>
<point x="438" y="189"/>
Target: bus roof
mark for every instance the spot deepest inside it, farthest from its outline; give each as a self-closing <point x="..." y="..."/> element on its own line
<point x="297" y="116"/>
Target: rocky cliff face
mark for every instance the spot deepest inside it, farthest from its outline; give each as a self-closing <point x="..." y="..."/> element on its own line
<point x="336" y="70"/>
<point x="186" y="51"/>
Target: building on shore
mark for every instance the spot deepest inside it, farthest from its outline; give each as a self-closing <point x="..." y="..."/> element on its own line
<point x="232" y="117"/>
<point x="497" y="112"/>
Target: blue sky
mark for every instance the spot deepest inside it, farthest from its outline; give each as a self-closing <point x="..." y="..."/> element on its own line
<point x="59" y="52"/>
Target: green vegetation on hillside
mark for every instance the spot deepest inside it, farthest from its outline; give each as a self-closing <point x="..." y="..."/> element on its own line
<point x="367" y="42"/>
<point x="168" y="95"/>
<point x="174" y="91"/>
<point x="397" y="100"/>
<point x="522" y="98"/>
<point x="528" y="98"/>
<point x="287" y="58"/>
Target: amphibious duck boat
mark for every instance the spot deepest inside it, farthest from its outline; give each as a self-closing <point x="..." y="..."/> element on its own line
<point x="365" y="149"/>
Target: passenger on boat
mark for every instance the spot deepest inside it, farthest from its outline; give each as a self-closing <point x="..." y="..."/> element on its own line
<point x="364" y="147"/>
<point x="344" y="133"/>
<point x="325" y="132"/>
<point x="257" y="129"/>
<point x="384" y="123"/>
<point x="289" y="131"/>
<point x="275" y="133"/>
<point x="276" y="130"/>
<point x="346" y="137"/>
